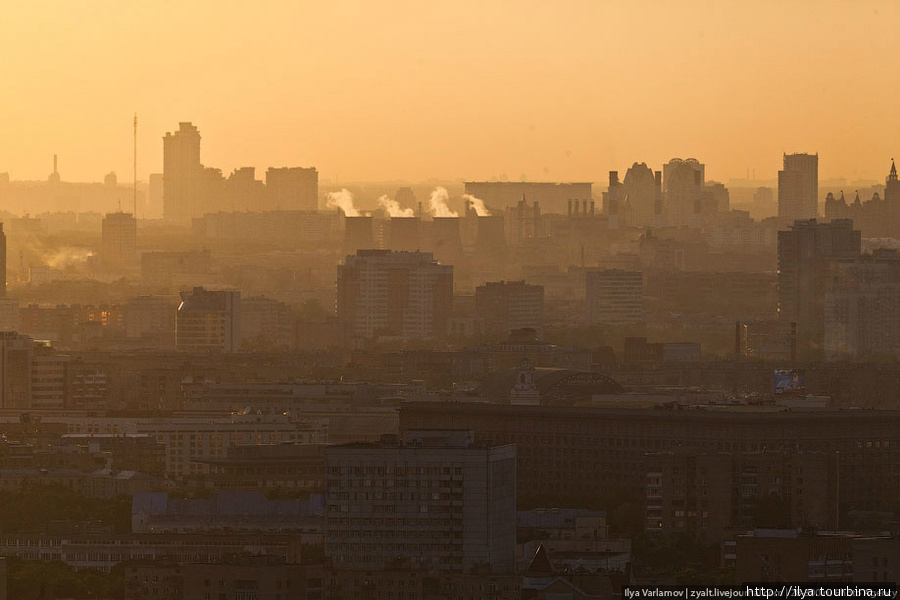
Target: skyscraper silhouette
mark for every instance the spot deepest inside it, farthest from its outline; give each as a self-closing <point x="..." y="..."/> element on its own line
<point x="643" y="196"/>
<point x="798" y="187"/>
<point x="683" y="181"/>
<point x="181" y="173"/>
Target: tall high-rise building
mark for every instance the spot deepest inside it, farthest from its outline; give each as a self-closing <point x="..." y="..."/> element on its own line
<point x="293" y="188"/>
<point x="16" y="356"/>
<point x="614" y="297"/>
<point x="119" y="242"/>
<point x="614" y="200"/>
<point x="182" y="189"/>
<point x="798" y="187"/>
<point x="683" y="181"/>
<point x="403" y="294"/>
<point x="9" y="307"/>
<point x="436" y="499"/>
<point x="208" y="321"/>
<point x="244" y="192"/>
<point x="643" y="196"/>
<point x="717" y="196"/>
<point x="803" y="254"/>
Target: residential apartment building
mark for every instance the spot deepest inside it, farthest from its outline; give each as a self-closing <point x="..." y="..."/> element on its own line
<point x="208" y="321"/>
<point x="798" y="187"/>
<point x="614" y="297"/>
<point x="509" y="305"/>
<point x="435" y="499"/>
<point x="804" y="252"/>
<point x="398" y="294"/>
<point x="565" y="454"/>
<point x="862" y="307"/>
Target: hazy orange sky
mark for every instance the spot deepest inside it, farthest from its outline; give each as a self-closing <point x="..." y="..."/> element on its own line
<point x="462" y="89"/>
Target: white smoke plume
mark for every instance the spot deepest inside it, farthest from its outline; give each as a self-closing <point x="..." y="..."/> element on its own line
<point x="343" y="200"/>
<point x="392" y="207"/>
<point x="66" y="257"/>
<point x="478" y="205"/>
<point x="437" y="203"/>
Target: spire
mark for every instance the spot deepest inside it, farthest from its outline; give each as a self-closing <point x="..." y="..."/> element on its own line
<point x="893" y="175"/>
<point x="540" y="563"/>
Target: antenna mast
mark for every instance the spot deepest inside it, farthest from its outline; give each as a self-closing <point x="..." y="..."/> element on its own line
<point x="135" y="167"/>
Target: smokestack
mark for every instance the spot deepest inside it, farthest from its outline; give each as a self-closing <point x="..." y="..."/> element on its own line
<point x="613" y="178"/>
<point x="55" y="170"/>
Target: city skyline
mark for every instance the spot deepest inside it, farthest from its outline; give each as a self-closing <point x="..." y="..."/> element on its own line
<point x="561" y="94"/>
<point x="442" y="301"/>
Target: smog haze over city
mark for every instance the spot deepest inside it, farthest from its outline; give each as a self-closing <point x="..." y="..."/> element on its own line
<point x="464" y="300"/>
<point x="374" y="91"/>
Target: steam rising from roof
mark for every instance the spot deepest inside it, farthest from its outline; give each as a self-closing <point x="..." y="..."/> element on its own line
<point x="392" y="208"/>
<point x="343" y="200"/>
<point x="437" y="203"/>
<point x="478" y="205"/>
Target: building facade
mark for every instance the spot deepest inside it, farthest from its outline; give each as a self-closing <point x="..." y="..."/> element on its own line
<point x="614" y="297"/>
<point x="591" y="456"/>
<point x="182" y="177"/>
<point x="509" y="305"/>
<point x="119" y="242"/>
<point x="643" y="196"/>
<point x="804" y="252"/>
<point x="292" y="188"/>
<point x="208" y="321"/>
<point x="436" y="499"/>
<point x="862" y="307"/>
<point x="683" y="181"/>
<point x="403" y="294"/>
<point x="798" y="187"/>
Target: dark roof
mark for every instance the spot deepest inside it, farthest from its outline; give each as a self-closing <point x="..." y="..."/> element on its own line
<point x="552" y="384"/>
<point x="852" y="417"/>
<point x="540" y="563"/>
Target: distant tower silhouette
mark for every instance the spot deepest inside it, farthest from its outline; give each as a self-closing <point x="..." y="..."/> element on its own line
<point x="683" y="182"/>
<point x="134" y="185"/>
<point x="892" y="185"/>
<point x="54" y="176"/>
<point x="892" y="200"/>
<point x="182" y="173"/>
<point x="798" y="187"/>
